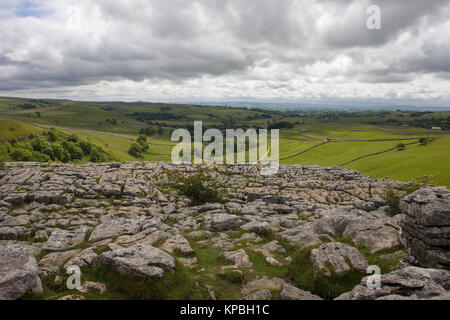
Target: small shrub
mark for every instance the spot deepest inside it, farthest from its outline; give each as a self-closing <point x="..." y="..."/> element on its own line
<point x="232" y="276"/>
<point x="142" y="140"/>
<point x="135" y="150"/>
<point x="86" y="147"/>
<point x="95" y="155"/>
<point x="76" y="153"/>
<point x="193" y="188"/>
<point x="425" y="141"/>
<point x="73" y="138"/>
<point x="401" y="147"/>
<point x="392" y="199"/>
<point x="53" y="135"/>
<point x="149" y="131"/>
<point x="20" y="154"/>
<point x="58" y="152"/>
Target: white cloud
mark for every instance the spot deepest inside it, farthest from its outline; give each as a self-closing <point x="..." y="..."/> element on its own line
<point x="223" y="50"/>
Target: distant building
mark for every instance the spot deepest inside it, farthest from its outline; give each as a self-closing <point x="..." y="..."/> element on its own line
<point x="436" y="128"/>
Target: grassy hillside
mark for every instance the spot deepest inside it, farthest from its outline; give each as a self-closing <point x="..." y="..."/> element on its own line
<point x="362" y="140"/>
<point x="10" y="129"/>
<point x="24" y="142"/>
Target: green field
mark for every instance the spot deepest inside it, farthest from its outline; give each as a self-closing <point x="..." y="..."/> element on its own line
<point x="362" y="140"/>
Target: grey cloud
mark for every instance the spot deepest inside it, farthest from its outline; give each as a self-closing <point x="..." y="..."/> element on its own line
<point x="235" y="40"/>
<point x="396" y="16"/>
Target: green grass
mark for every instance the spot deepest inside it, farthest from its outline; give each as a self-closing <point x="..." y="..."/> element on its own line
<point x="414" y="162"/>
<point x="11" y="129"/>
<point x="177" y="286"/>
<point x="301" y="272"/>
<point x="89" y="121"/>
<point x="207" y="270"/>
<point x="305" y="277"/>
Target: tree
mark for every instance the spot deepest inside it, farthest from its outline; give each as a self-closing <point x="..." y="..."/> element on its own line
<point x="20" y="154"/>
<point x="53" y="135"/>
<point x="161" y="131"/>
<point x="73" y="138"/>
<point x="401" y="147"/>
<point x="86" y="147"/>
<point x="38" y="144"/>
<point x="135" y="150"/>
<point x="149" y="131"/>
<point x="66" y="156"/>
<point x="47" y="149"/>
<point x="75" y="152"/>
<point x="95" y="155"/>
<point x="425" y="141"/>
<point x="142" y="140"/>
<point x="58" y="152"/>
<point x="40" y="157"/>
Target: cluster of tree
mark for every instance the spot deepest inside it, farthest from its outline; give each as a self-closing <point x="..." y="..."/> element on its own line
<point x="27" y="106"/>
<point x="33" y="104"/>
<point x="444" y="123"/>
<point x="111" y="121"/>
<point x="149" y="116"/>
<point x="138" y="147"/>
<point x="280" y="125"/>
<point x="259" y="116"/>
<point x="55" y="147"/>
<point x="150" y="131"/>
<point x="425" y="141"/>
<point x="419" y="113"/>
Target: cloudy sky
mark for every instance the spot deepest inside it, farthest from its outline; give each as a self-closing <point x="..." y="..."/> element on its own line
<point x="226" y="50"/>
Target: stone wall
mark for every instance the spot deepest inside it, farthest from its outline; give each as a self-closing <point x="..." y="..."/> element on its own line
<point x="426" y="226"/>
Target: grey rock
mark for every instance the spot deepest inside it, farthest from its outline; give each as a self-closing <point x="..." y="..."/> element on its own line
<point x="259" y="295"/>
<point x="14" y="233"/>
<point x="18" y="272"/>
<point x="95" y="287"/>
<point x="177" y="242"/>
<point x="139" y="259"/>
<point x="365" y="205"/>
<point x="333" y="254"/>
<point x="264" y="282"/>
<point x="257" y="227"/>
<point x="290" y="292"/>
<point x="223" y="221"/>
<point x="239" y="258"/>
<point x="410" y="283"/>
<point x="170" y="208"/>
<point x="115" y="227"/>
<point x="426" y="226"/>
<point x="65" y="239"/>
<point x="49" y="264"/>
<point x="85" y="258"/>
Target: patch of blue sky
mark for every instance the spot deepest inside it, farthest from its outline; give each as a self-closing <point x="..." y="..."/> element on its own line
<point x="30" y="8"/>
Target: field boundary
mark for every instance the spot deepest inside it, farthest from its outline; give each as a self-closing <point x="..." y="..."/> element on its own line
<point x="376" y="153"/>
